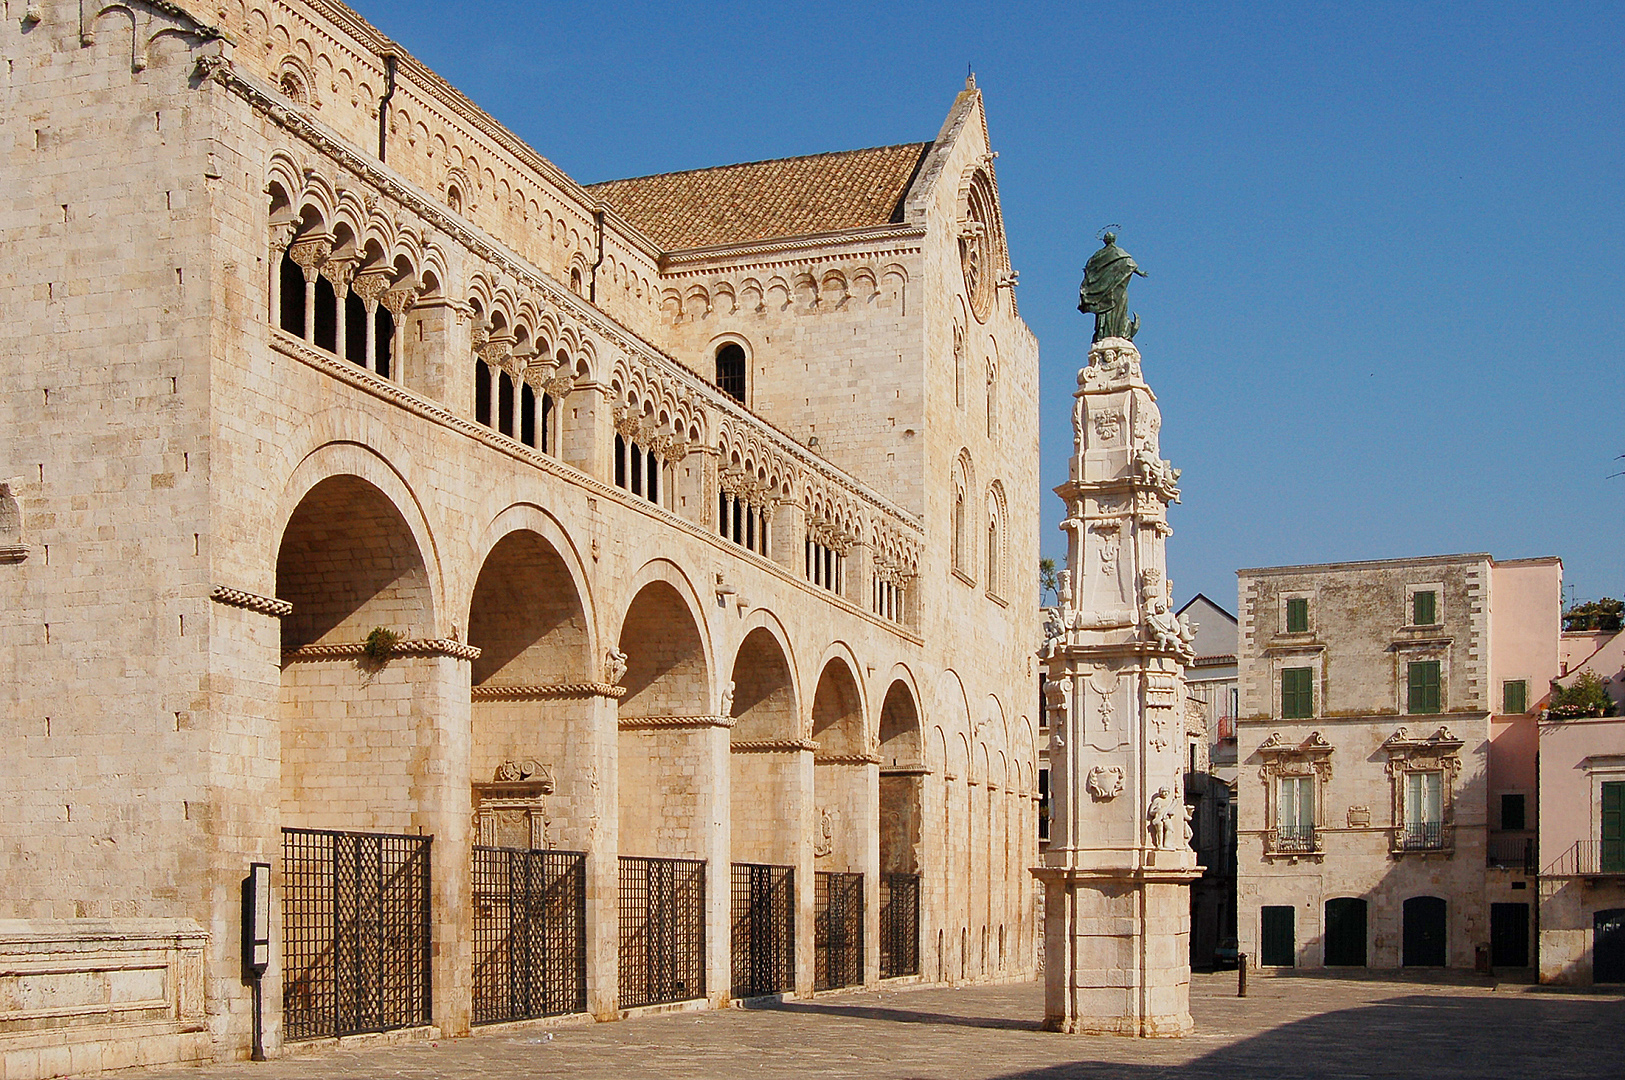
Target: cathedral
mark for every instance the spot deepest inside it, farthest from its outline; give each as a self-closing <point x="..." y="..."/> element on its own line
<point x="436" y="593"/>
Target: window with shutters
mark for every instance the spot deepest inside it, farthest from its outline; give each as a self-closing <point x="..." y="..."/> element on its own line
<point x="1424" y="607"/>
<point x="1297" y="615"/>
<point x="1611" y="829"/>
<point x="1422" y="689"/>
<point x="1297" y="693"/>
<point x="1514" y="697"/>
<point x="1424" y="811"/>
<point x="1295" y="778"/>
<point x="1424" y="771"/>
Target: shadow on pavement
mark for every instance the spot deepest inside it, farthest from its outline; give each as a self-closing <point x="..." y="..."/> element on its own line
<point x="1434" y="1036"/>
<point x="904" y="1016"/>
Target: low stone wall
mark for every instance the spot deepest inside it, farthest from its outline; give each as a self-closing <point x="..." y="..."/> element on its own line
<point x="85" y="995"/>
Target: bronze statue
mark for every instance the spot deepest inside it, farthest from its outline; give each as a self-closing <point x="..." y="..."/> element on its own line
<point x="1104" y="292"/>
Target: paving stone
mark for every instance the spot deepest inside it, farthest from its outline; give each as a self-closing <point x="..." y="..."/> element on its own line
<point x="1288" y="1026"/>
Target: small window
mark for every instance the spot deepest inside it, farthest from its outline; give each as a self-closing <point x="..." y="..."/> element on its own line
<point x="1424" y="608"/>
<point x="1422" y="691"/>
<point x="1297" y="615"/>
<point x="731" y="371"/>
<point x="575" y="280"/>
<point x="1514" y="698"/>
<point x="1043" y="804"/>
<point x="1512" y="811"/>
<point x="1297" y="693"/>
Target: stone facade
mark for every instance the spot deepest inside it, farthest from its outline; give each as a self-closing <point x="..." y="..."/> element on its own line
<point x="1372" y="724"/>
<point x="301" y="346"/>
<point x="1119" y="862"/>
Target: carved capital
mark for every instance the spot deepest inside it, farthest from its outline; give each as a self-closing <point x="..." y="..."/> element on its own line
<point x="310" y="252"/>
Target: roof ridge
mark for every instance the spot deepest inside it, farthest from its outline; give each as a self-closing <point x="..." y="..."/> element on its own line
<point x="762" y="161"/>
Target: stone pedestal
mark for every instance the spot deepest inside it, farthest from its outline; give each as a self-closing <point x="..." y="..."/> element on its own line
<point x="1117" y="872"/>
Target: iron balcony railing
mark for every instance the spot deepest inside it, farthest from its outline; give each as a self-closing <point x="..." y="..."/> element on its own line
<point x="1512" y="853"/>
<point x="1590" y="858"/>
<point x="1294" y="840"/>
<point x="1424" y="836"/>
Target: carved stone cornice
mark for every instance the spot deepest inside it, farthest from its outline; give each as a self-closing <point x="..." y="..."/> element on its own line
<point x="846" y="759"/>
<point x="455" y="650"/>
<point x="648" y="723"/>
<point x="265" y="605"/>
<point x="547" y="692"/>
<point x="773" y="746"/>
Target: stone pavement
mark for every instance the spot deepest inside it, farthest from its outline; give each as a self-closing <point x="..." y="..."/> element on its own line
<point x="1289" y="1026"/>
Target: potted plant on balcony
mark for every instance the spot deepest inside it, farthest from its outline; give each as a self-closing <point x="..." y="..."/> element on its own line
<point x="1586" y="696"/>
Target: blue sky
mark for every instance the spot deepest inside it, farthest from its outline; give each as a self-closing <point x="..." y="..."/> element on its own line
<point x="1386" y="242"/>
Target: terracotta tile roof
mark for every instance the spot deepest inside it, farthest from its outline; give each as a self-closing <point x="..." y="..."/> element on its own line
<point x="762" y="200"/>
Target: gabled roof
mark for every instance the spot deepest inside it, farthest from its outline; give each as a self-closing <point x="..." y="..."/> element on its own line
<point x="1199" y="597"/>
<point x="765" y="200"/>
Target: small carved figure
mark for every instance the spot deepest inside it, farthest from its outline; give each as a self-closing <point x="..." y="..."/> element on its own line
<point x="1104" y="292"/>
<point x="1190" y="832"/>
<point x="11" y="515"/>
<point x="824" y="842"/>
<point x="1105" y="782"/>
<point x="727" y="706"/>
<point x="1163" y="629"/>
<point x="1160" y="817"/>
<point x="614" y="667"/>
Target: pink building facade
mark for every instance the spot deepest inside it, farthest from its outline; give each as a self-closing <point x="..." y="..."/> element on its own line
<point x="1582" y="826"/>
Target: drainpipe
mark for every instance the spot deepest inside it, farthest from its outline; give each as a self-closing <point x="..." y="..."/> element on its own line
<point x="383" y="105"/>
<point x="592" y="284"/>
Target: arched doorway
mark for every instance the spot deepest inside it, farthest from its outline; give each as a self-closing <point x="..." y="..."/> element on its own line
<point x="767" y="788"/>
<point x="842" y="786"/>
<point x="902" y="775"/>
<point x="1345" y="932"/>
<point x="362" y="765"/>
<point x="672" y="801"/>
<point x="1424" y="932"/>
<point x="531" y="713"/>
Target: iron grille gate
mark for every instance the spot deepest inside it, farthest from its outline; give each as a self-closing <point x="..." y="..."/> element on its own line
<point x="355" y="932"/>
<point x="837" y="930"/>
<point x="530" y="933"/>
<point x="899" y="925"/>
<point x="763" y="945"/>
<point x="662" y="954"/>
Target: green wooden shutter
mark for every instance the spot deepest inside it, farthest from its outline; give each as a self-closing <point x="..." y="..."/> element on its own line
<point x="1422" y="689"/>
<point x="1613" y="826"/>
<point x="1297" y="615"/>
<point x="1514" y="696"/>
<point x="1424" y="608"/>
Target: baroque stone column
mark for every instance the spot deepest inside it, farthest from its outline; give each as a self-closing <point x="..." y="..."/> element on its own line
<point x="1117" y="872"/>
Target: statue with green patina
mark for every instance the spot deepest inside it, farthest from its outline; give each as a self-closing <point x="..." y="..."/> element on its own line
<point x="1104" y="292"/>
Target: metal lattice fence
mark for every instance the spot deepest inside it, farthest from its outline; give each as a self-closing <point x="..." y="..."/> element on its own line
<point x="763" y="921"/>
<point x="530" y="933"/>
<point x="662" y="909"/>
<point x="837" y="930"/>
<point x="899" y="925"/>
<point x="355" y="933"/>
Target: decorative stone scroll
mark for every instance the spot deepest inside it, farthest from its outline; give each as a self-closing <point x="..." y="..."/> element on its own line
<point x="1440" y="753"/>
<point x="547" y="692"/>
<point x="649" y="723"/>
<point x="265" y="605"/>
<point x="773" y="746"/>
<point x="1310" y="758"/>
<point x="456" y="650"/>
<point x="847" y="759"/>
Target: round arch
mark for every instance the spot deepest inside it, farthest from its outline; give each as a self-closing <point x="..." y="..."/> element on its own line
<point x="838" y="715"/>
<point x="666" y="650"/>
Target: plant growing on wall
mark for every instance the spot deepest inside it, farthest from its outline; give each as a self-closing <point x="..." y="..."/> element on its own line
<point x="1588" y="696"/>
<point x="380" y="645"/>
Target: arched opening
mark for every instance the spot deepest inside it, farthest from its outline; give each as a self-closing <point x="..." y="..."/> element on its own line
<point x="1424" y="934"/>
<point x="529" y="624"/>
<point x="671" y="800"/>
<point x="660" y="763"/>
<point x="531" y="762"/>
<point x="766" y="792"/>
<point x="348" y="563"/>
<point x="843" y="796"/>
<point x="731" y="371"/>
<point x="902" y="776"/>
